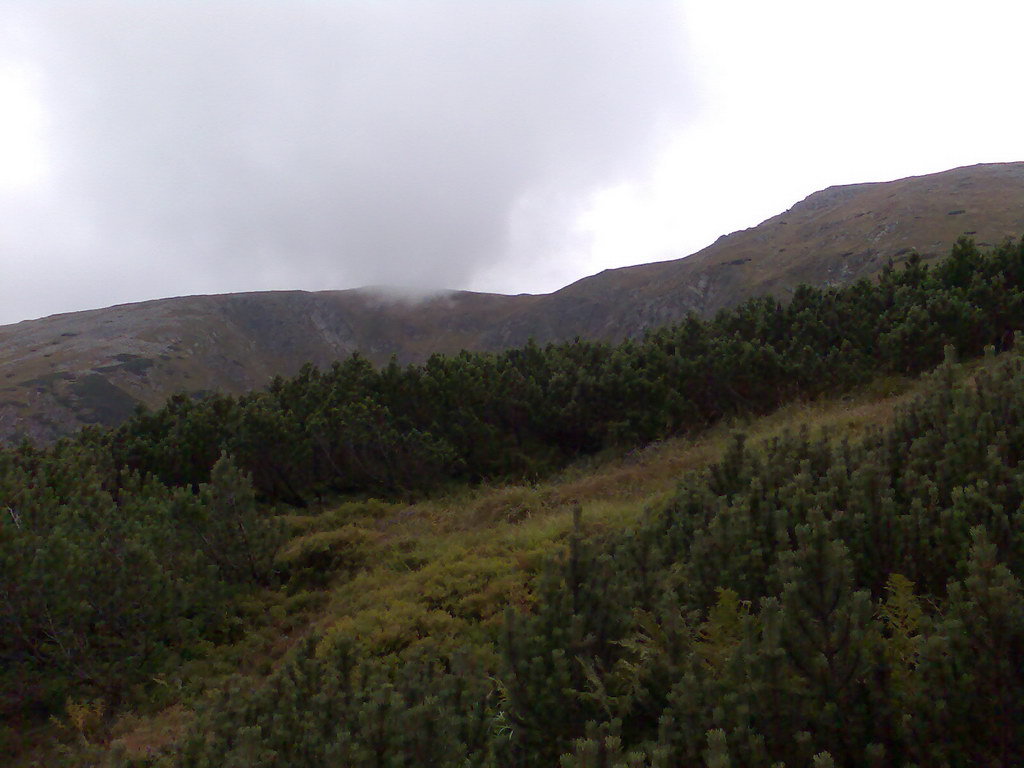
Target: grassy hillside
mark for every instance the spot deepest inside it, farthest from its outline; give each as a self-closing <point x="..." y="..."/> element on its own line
<point x="831" y="238"/>
<point x="444" y="570"/>
<point x="587" y="554"/>
<point x="59" y="373"/>
<point x="797" y="601"/>
<point x="392" y="582"/>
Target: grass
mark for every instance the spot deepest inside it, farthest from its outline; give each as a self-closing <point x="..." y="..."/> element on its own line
<point x="392" y="577"/>
<point x="444" y="570"/>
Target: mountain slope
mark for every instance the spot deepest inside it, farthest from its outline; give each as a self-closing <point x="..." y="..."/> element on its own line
<point x="60" y="372"/>
<point x="831" y="237"/>
<point x="96" y="366"/>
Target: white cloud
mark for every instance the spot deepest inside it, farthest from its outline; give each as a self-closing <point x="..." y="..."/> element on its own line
<point x="796" y="96"/>
<point x="230" y="146"/>
<point x="516" y="146"/>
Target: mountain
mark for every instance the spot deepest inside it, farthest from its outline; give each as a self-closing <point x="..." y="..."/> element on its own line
<point x="832" y="237"/>
<point x="60" y="372"/>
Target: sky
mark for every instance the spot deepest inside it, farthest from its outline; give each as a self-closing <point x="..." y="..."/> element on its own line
<point x="154" y="148"/>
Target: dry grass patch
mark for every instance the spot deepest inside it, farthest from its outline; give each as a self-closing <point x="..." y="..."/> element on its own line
<point x="143" y="738"/>
<point x="453" y="564"/>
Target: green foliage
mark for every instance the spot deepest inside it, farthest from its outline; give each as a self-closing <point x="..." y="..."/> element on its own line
<point x="229" y="528"/>
<point x="400" y="432"/>
<point x="842" y="648"/>
<point x="814" y="648"/>
<point x="902" y="616"/>
<point x="310" y="561"/>
<point x="808" y="602"/>
<point x="109" y="577"/>
<point x="335" y="709"/>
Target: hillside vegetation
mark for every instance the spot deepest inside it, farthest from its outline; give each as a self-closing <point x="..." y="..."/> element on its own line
<point x="59" y="373"/>
<point x="409" y="430"/>
<point x="804" y="600"/>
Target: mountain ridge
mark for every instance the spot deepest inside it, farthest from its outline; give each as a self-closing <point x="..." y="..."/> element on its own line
<point x="62" y="371"/>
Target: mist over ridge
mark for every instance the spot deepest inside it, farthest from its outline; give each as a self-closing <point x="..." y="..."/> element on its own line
<point x="325" y="145"/>
<point x="96" y="366"/>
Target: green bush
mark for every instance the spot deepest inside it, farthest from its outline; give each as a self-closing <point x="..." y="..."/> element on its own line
<point x="313" y="560"/>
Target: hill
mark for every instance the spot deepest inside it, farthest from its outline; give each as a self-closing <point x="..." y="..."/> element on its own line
<point x="845" y="597"/>
<point x="60" y="372"/>
<point x="488" y="543"/>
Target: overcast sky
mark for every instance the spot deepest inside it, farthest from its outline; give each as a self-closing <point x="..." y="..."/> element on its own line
<point x="159" y="148"/>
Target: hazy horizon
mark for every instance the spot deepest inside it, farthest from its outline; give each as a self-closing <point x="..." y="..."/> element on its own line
<point x="173" y="149"/>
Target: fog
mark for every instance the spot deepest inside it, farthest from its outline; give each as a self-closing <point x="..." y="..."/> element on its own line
<point x="227" y="146"/>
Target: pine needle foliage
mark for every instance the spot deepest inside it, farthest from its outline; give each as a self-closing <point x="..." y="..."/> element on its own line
<point x="798" y="641"/>
<point x="804" y="602"/>
<point x="401" y="432"/>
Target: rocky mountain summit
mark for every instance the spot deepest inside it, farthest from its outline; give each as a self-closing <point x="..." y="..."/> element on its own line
<point x="58" y="373"/>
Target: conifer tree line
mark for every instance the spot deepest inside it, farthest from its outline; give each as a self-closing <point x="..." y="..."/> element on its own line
<point x="124" y="552"/>
<point x="806" y="603"/>
<point x="394" y="431"/>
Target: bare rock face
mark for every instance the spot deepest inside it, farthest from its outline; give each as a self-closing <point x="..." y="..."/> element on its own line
<point x="61" y="372"/>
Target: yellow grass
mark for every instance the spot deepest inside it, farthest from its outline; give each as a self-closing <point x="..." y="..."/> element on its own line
<point x="452" y="565"/>
<point x="443" y="571"/>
